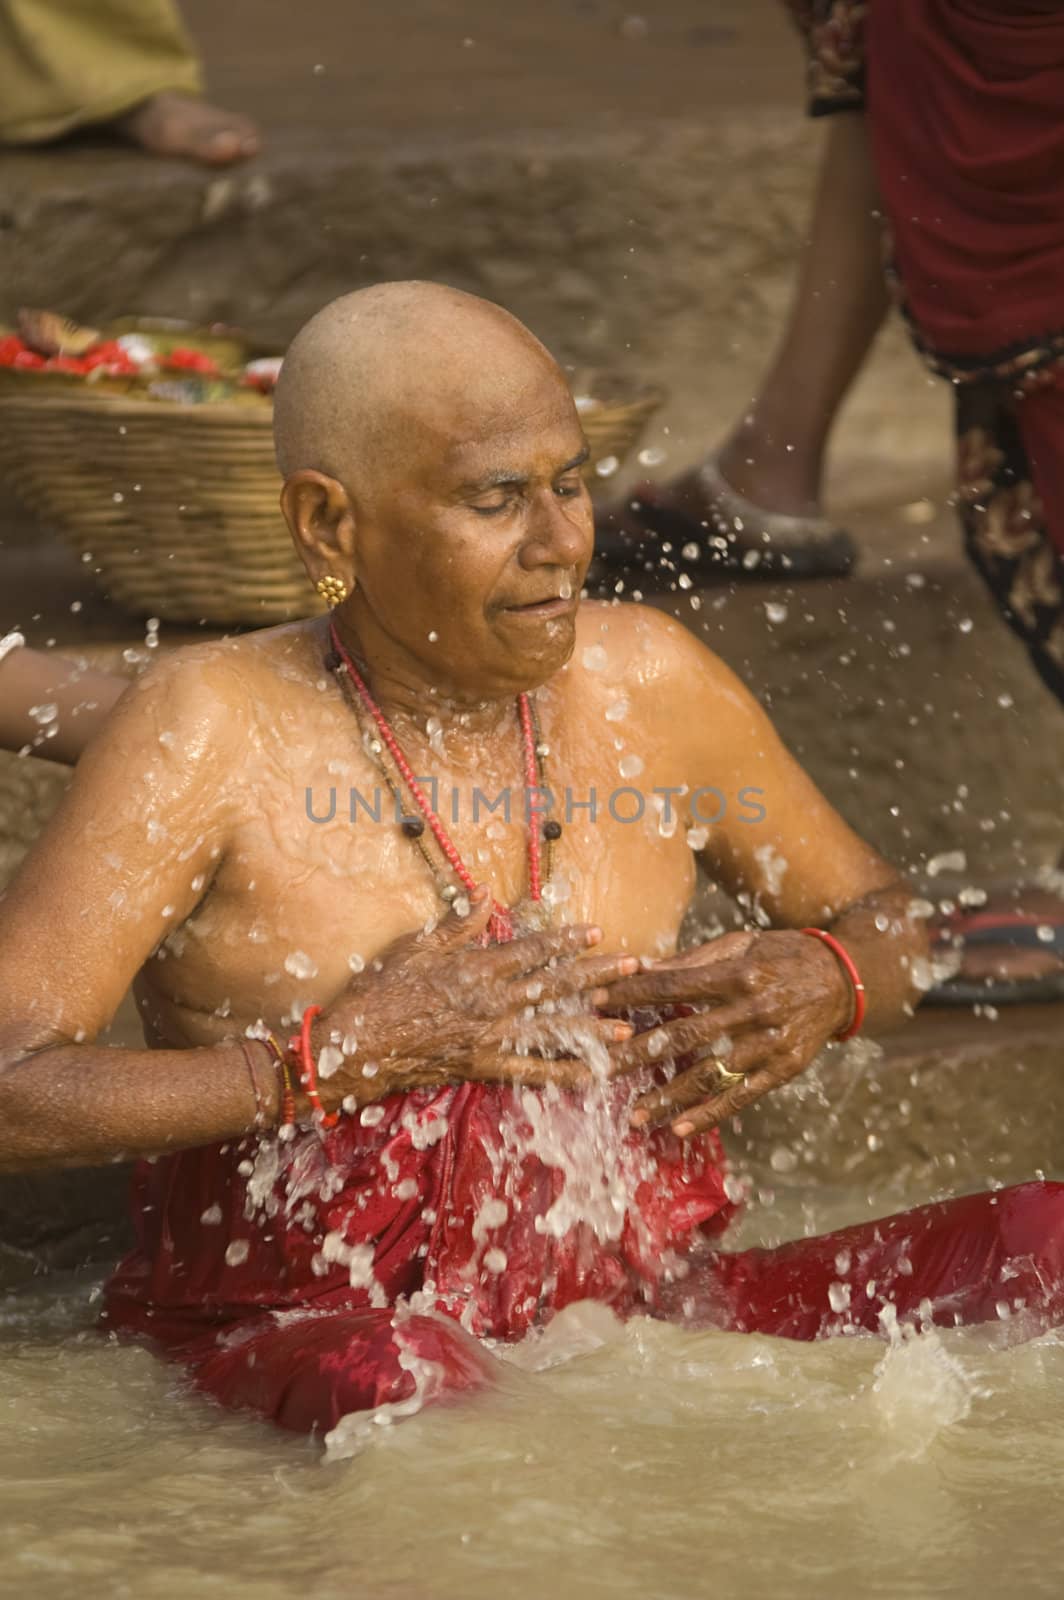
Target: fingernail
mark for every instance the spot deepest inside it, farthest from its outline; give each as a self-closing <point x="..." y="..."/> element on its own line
<point x="594" y="935"/>
<point x="682" y="1129"/>
<point x="479" y="893"/>
<point x="623" y="1030"/>
<point x="639" y="1118"/>
<point x="599" y="997"/>
<point x="629" y="965"/>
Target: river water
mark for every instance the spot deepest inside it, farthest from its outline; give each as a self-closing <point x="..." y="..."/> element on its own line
<point x="643" y="1461"/>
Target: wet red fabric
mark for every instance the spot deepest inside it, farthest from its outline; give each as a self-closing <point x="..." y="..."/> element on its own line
<point x="964" y="102"/>
<point x="244" y="1267"/>
<point x="454" y="1204"/>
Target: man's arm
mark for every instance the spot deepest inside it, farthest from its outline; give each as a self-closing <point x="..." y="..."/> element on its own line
<point x="75" y="699"/>
<point x="122" y="863"/>
<point x="768" y="1001"/>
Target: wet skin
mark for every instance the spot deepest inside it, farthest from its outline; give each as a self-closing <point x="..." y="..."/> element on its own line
<point x="185" y="853"/>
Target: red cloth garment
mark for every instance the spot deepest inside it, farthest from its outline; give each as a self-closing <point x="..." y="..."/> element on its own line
<point x="964" y="99"/>
<point x="463" y="1202"/>
<point x="330" y="1275"/>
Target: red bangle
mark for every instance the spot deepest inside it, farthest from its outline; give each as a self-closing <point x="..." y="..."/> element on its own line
<point x="860" y="1004"/>
<point x="303" y="1051"/>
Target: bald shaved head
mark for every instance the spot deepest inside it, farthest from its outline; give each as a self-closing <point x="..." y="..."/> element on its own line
<point x="377" y="363"/>
<point x="432" y="456"/>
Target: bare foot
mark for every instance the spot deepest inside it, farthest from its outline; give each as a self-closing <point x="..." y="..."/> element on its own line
<point x="777" y="476"/>
<point x="175" y="124"/>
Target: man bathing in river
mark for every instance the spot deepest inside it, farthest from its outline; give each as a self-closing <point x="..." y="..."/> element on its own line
<point x="484" y="1142"/>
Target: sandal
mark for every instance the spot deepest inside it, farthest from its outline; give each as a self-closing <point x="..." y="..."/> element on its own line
<point x="1018" y="931"/>
<point x="734" y="536"/>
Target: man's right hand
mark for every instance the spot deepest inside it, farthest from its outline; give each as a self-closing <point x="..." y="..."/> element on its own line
<point x="440" y="1008"/>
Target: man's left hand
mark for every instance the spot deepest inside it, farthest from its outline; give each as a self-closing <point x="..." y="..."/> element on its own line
<point x="767" y="1004"/>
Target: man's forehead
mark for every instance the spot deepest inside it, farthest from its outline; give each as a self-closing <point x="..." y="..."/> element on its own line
<point x="536" y="448"/>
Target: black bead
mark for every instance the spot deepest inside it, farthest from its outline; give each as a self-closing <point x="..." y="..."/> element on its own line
<point x="413" y="827"/>
<point x="552" y="830"/>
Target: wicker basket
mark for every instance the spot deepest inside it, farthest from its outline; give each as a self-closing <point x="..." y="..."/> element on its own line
<point x="176" y="506"/>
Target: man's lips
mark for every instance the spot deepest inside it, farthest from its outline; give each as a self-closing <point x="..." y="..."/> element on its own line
<point x="553" y="606"/>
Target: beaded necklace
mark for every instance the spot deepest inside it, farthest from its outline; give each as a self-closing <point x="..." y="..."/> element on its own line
<point x="534" y="752"/>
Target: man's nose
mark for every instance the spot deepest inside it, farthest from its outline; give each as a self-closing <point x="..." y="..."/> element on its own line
<point x="561" y="531"/>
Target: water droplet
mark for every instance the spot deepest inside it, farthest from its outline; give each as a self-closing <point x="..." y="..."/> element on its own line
<point x="236" y="1253"/>
<point x="433" y="636"/>
<point x="371" y="1116"/>
<point x="775" y="612"/>
<point x="839" y="1296"/>
<point x="782" y="1159"/>
<point x="617" y="710"/>
<point x="300" y="965"/>
<point x="607" y="466"/>
<point x="594" y="658"/>
<point x="44" y="714"/>
<point x="330" y="1060"/>
<point x="495" y="1260"/>
<point x="651" y="457"/>
<point x="212" y="1216"/>
<point x="630" y="766"/>
<point x="965" y="625"/>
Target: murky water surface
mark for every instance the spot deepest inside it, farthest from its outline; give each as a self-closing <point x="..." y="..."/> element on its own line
<point x="644" y="1461"/>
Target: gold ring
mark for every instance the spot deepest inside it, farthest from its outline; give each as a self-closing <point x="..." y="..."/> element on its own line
<point x="726" y="1079"/>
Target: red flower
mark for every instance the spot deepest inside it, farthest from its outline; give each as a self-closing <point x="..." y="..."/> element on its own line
<point x="182" y="359"/>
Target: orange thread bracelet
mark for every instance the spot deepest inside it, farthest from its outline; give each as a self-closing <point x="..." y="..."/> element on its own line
<point x="860" y="1004"/>
<point x="303" y="1050"/>
<point x="288" y="1097"/>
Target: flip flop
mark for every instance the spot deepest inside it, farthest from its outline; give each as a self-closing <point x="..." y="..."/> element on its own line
<point x="735" y="536"/>
<point x="1020" y="931"/>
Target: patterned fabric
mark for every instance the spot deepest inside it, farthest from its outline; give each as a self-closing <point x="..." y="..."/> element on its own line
<point x="1007" y="532"/>
<point x="833" y="31"/>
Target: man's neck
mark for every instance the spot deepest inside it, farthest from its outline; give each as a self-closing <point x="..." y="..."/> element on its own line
<point x="410" y="702"/>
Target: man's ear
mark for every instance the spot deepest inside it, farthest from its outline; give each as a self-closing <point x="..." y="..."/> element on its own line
<point x="321" y="520"/>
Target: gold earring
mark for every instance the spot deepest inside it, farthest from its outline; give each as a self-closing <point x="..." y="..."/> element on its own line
<point x="333" y="590"/>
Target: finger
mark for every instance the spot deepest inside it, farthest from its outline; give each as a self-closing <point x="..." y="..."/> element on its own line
<point x="700" y="1082"/>
<point x="462" y="927"/>
<point x="726" y="1104"/>
<point x="709" y="983"/>
<point x="536" y="949"/>
<point x="729" y="946"/>
<point x="537" y="1072"/>
<point x="567" y="1033"/>
<point x="668" y="1040"/>
<point x="583" y="974"/>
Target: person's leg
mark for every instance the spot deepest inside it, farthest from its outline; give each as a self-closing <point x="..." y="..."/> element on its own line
<point x="961" y="1262"/>
<point x="124" y="64"/>
<point x="755" y="504"/>
<point x="306" y="1372"/>
<point x="775" y="456"/>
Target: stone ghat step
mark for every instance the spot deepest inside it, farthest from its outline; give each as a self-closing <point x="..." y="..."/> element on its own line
<point x="639" y="199"/>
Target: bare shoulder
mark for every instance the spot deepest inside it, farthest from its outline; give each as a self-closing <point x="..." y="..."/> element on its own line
<point x="659" y="663"/>
<point x="186" y="721"/>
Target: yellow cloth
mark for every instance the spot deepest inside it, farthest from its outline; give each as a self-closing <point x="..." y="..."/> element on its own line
<point x="66" y="63"/>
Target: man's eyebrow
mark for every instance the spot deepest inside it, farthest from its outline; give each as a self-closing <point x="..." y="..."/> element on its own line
<point x="505" y="479"/>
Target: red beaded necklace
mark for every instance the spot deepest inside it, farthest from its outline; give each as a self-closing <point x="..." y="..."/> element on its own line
<point x="500" y="924"/>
